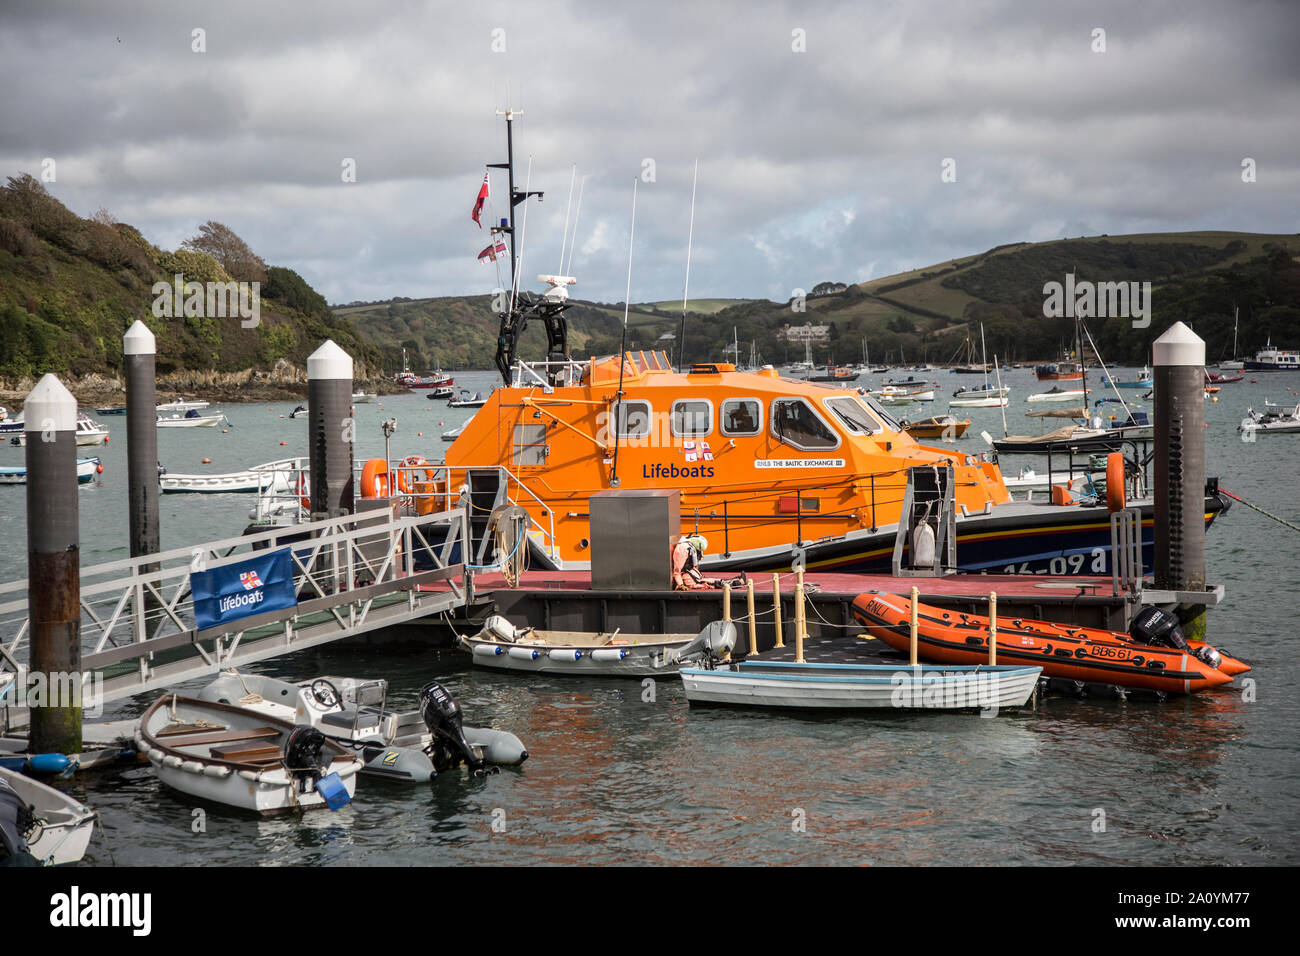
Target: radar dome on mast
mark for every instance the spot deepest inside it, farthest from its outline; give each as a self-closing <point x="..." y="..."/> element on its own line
<point x="557" y="291"/>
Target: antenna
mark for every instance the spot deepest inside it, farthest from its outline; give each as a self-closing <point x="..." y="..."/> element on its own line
<point x="523" y="232"/>
<point x="622" y="350"/>
<point x="690" y="238"/>
<point x="567" y="207"/>
<point x="573" y="245"/>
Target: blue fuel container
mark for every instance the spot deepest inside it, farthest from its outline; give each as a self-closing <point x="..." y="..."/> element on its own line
<point x="332" y="790"/>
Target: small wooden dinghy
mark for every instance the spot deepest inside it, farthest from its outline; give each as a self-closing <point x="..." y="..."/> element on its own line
<point x="393" y="745"/>
<point x="244" y="759"/>
<point x="42" y="821"/>
<point x="502" y="646"/>
<point x="1088" y="655"/>
<point x="784" y="684"/>
<point x="939" y="426"/>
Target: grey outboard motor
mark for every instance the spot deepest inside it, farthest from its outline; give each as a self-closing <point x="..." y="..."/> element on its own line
<point x="442" y="716"/>
<point x="1158" y="628"/>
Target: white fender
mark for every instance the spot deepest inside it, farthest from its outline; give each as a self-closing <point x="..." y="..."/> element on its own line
<point x="565" y="654"/>
<point x="609" y="653"/>
<point x="524" y="653"/>
<point x="488" y="650"/>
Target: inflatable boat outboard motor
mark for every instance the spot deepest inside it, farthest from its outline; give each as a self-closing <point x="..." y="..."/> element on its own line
<point x="442" y="716"/>
<point x="1159" y="628"/>
<point x="713" y="644"/>
<point x="16" y="822"/>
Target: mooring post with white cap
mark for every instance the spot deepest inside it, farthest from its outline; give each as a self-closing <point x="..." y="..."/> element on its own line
<point x="330" y="427"/>
<point x="1179" y="408"/>
<point x="53" y="569"/>
<point x="139" y="356"/>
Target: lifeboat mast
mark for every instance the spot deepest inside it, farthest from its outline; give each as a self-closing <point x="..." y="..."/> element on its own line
<point x="549" y="307"/>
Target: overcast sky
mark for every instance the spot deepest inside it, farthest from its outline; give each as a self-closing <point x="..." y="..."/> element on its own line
<point x="817" y="164"/>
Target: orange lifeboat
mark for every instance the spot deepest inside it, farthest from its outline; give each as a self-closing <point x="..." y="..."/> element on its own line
<point x="1075" y="653"/>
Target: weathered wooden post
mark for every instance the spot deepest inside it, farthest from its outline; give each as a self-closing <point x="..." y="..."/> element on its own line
<point x="53" y="568"/>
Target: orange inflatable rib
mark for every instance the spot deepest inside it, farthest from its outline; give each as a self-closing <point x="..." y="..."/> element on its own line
<point x="1075" y="653"/>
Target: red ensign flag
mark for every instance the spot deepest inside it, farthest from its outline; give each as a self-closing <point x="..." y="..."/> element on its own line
<point x="478" y="203"/>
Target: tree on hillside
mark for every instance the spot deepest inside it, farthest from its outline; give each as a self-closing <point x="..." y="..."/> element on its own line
<point x="234" y="254"/>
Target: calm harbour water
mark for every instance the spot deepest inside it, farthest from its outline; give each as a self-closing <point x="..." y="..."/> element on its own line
<point x="614" y="779"/>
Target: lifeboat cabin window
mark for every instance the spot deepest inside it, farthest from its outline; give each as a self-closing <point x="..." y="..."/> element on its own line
<point x="692" y="417"/>
<point x="633" y="419"/>
<point x="742" y="416"/>
<point x="796" y="422"/>
<point x="852" y="416"/>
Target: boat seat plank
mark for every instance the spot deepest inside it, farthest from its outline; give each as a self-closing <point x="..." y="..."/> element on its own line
<point x="179" y="730"/>
<point x="242" y="752"/>
<point x="228" y="736"/>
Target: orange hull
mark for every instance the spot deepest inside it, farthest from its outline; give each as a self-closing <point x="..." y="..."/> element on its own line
<point x="1074" y="653"/>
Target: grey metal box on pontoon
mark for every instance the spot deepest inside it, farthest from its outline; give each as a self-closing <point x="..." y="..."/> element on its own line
<point x="632" y="538"/>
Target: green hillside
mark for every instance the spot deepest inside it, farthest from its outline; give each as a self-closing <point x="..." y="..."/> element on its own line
<point x="1198" y="277"/>
<point x="69" y="288"/>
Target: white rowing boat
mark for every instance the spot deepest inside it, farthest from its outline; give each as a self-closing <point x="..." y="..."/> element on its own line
<point x="243" y="758"/>
<point x="502" y="646"/>
<point x="49" y="824"/>
<point x="787" y="685"/>
<point x="283" y="477"/>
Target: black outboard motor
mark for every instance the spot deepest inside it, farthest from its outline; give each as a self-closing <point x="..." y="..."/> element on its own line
<point x="442" y="716"/>
<point x="302" y="755"/>
<point x="16" y="822"/>
<point x="1158" y="628"/>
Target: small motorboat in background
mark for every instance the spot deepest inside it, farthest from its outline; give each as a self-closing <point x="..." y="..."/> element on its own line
<point x="364" y="398"/>
<point x="466" y="400"/>
<point x="180" y="405"/>
<point x="191" y="419"/>
<point x="946" y="427"/>
<point x="87" y="469"/>
<point x="1273" y="419"/>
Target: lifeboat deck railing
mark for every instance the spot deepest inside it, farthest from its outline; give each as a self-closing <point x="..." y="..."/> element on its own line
<point x="283" y="498"/>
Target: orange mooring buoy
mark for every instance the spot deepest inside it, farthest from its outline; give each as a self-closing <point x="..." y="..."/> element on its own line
<point x="284" y="443"/>
<point x="99" y="469"/>
<point x="207" y="461"/>
<point x="224" y="430"/>
<point x="419" y="434"/>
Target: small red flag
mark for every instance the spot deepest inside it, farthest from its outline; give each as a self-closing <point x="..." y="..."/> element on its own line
<point x="478" y="204"/>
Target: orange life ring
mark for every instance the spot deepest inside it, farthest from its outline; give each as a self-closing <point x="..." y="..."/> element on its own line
<point x="304" y="492"/>
<point x="1115" y="498"/>
<point x="374" y="479"/>
<point x="405" y="477"/>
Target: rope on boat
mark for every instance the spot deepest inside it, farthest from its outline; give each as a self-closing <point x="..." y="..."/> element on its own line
<point x="1266" y="514"/>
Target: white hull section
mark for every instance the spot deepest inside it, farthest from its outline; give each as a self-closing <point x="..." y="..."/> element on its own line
<point x="66" y="825"/>
<point x="861" y="687"/>
<point x="263" y="791"/>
